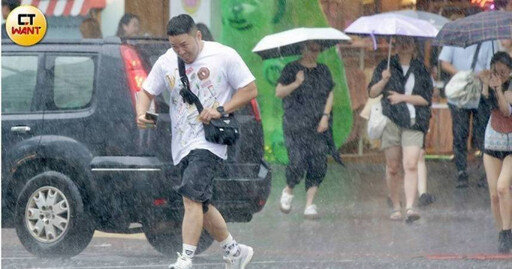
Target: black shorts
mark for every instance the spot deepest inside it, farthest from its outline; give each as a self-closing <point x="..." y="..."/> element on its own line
<point x="307" y="154"/>
<point x="198" y="169"/>
<point x="498" y="154"/>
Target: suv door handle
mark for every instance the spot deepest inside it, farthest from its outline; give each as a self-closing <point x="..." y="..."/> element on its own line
<point x="20" y="129"/>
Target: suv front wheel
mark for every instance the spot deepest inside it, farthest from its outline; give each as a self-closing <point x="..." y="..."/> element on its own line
<point x="51" y="220"/>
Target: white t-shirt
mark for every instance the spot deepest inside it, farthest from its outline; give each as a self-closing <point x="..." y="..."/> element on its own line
<point x="214" y="76"/>
<point x="409" y="86"/>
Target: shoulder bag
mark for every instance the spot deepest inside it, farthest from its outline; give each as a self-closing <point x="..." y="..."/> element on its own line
<point x="225" y="130"/>
<point x="377" y="122"/>
<point x="464" y="88"/>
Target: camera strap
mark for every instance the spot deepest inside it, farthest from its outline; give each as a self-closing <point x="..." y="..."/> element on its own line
<point x="187" y="95"/>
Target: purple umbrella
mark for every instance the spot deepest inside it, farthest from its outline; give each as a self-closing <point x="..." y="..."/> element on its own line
<point x="488" y="25"/>
<point x="391" y="24"/>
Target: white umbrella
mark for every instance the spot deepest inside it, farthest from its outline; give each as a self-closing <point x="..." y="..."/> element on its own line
<point x="437" y="20"/>
<point x="290" y="42"/>
<point x="391" y="24"/>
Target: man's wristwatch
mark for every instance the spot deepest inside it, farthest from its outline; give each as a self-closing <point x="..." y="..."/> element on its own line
<point x="223" y="113"/>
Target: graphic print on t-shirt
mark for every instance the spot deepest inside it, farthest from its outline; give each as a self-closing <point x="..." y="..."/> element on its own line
<point x="214" y="76"/>
<point x="171" y="82"/>
<point x="202" y="86"/>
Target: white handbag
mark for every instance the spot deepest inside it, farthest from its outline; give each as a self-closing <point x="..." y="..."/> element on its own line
<point x="463" y="89"/>
<point x="377" y="122"/>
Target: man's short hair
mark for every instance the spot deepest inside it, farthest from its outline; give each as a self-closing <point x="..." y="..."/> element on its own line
<point x="12" y="4"/>
<point x="181" y="24"/>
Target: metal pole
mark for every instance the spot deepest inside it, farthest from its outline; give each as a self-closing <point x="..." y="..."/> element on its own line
<point x="389" y="51"/>
<point x="360" y="144"/>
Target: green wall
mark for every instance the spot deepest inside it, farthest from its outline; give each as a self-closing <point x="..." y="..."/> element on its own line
<point x="244" y="23"/>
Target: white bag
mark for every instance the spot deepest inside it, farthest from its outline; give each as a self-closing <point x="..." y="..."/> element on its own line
<point x="463" y="89"/>
<point x="377" y="121"/>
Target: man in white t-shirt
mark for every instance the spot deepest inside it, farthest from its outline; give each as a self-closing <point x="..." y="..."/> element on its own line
<point x="223" y="83"/>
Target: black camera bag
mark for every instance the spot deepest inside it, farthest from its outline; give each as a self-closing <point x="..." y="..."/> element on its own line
<point x="225" y="130"/>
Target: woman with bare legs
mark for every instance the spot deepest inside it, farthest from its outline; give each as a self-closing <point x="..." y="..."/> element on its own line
<point x="497" y="92"/>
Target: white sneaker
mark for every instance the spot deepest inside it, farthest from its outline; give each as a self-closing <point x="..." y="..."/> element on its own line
<point x="242" y="260"/>
<point x="311" y="212"/>
<point x="181" y="263"/>
<point x="286" y="202"/>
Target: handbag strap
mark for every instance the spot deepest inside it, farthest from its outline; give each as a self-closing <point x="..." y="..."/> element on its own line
<point x="186" y="85"/>
<point x="475" y="56"/>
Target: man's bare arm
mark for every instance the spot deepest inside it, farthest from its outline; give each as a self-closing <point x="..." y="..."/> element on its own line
<point x="241" y="97"/>
<point x="144" y="99"/>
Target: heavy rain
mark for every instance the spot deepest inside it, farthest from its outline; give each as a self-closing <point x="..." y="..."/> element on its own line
<point x="256" y="134"/>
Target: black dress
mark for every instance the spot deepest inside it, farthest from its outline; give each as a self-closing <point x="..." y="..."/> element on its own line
<point x="303" y="110"/>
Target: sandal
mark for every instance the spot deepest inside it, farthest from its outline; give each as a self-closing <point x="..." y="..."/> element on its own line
<point x="396" y="215"/>
<point x="411" y="215"/>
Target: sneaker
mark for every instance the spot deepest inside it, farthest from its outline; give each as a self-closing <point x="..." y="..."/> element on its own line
<point x="181" y="263"/>
<point x="426" y="199"/>
<point x="504" y="241"/>
<point x="462" y="180"/>
<point x="286" y="202"/>
<point x="242" y="260"/>
<point x="311" y="212"/>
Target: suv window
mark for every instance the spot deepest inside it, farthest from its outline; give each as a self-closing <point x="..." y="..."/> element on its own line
<point x="19" y="76"/>
<point x="73" y="82"/>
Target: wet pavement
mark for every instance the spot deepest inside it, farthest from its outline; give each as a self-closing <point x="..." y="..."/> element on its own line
<point x="457" y="231"/>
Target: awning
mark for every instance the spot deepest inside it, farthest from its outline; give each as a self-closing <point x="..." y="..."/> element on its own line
<point x="65" y="7"/>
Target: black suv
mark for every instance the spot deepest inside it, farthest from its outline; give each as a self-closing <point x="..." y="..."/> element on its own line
<point x="73" y="160"/>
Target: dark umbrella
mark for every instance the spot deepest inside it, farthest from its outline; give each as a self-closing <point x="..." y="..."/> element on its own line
<point x="484" y="26"/>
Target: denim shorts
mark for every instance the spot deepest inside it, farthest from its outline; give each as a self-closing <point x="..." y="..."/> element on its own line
<point x="198" y="169"/>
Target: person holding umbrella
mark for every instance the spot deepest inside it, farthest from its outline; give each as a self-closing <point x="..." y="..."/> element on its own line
<point x="402" y="23"/>
<point x="305" y="87"/>
<point x="468" y="45"/>
<point x="407" y="90"/>
<point x="497" y="93"/>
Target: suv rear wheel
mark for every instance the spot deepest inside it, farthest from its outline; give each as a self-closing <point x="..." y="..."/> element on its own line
<point x="167" y="239"/>
<point x="51" y="220"/>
